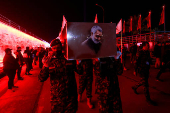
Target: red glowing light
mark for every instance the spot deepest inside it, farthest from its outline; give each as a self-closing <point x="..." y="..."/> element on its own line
<point x="11" y="37"/>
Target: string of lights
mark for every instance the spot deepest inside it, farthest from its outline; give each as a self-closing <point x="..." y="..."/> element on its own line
<point x="9" y="22"/>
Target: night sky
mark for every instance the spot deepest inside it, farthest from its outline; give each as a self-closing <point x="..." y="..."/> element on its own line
<point x="44" y="19"/>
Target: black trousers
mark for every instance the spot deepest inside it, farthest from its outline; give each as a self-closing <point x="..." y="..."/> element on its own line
<point x="124" y="61"/>
<point x="35" y="60"/>
<point x="11" y="75"/>
<point x="40" y="63"/>
<point x="144" y="82"/>
<point x="19" y="72"/>
<point x="28" y="67"/>
<point x="31" y="64"/>
<point x="133" y="57"/>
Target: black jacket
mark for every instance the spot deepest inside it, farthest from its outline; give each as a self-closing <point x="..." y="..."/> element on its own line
<point x="9" y="62"/>
<point x="143" y="62"/>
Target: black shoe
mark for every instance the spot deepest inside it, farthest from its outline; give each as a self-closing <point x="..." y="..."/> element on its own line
<point x="134" y="89"/>
<point x="20" y="78"/>
<point x="150" y="102"/>
<point x="10" y="90"/>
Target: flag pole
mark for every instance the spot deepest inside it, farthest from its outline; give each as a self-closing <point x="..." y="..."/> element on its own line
<point x="150" y="21"/>
<point x="121" y="44"/>
<point x="140" y="35"/>
<point x="140" y="26"/>
<point x="150" y="24"/>
<point x="164" y="17"/>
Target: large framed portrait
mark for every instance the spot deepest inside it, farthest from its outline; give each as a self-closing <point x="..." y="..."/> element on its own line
<point x="90" y="40"/>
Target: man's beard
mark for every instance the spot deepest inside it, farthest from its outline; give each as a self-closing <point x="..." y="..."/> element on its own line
<point x="96" y="41"/>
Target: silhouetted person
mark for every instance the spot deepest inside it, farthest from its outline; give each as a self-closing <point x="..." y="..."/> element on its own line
<point x="20" y="61"/>
<point x="133" y="51"/>
<point x="31" y="58"/>
<point x="35" y="56"/>
<point x="9" y="67"/>
<point x="40" y="55"/>
<point x="165" y="63"/>
<point x="157" y="54"/>
<point x="143" y="64"/>
<point x="28" y="62"/>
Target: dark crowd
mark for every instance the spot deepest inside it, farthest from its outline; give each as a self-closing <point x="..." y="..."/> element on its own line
<point x="64" y="93"/>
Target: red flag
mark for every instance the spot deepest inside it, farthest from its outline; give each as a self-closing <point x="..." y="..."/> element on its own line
<point x="63" y="37"/>
<point x="162" y="17"/>
<point x="148" y="18"/>
<point x="124" y="26"/>
<point x="139" y="23"/>
<point x="96" y="20"/>
<point x="119" y="27"/>
<point x="130" y="27"/>
<point x="63" y="24"/>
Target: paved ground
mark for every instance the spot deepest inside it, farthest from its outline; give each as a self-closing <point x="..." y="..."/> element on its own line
<point x="33" y="96"/>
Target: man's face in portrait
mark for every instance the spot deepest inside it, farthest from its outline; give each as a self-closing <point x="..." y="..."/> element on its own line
<point x="97" y="37"/>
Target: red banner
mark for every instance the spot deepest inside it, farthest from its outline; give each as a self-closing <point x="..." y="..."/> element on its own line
<point x="124" y="26"/>
<point x="162" y="17"/>
<point x="139" y="23"/>
<point x="96" y="20"/>
<point x="130" y="27"/>
<point x="63" y="37"/>
<point x="149" y="20"/>
<point x="119" y="27"/>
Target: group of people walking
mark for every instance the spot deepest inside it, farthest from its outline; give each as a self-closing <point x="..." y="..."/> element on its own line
<point x="141" y="58"/>
<point x="160" y="54"/>
<point x="64" y="94"/>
